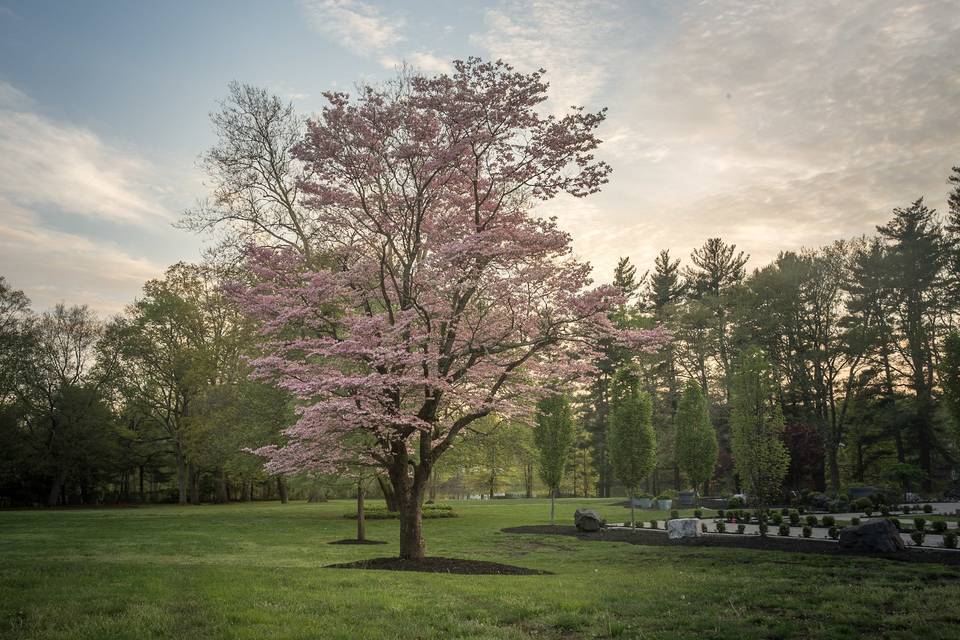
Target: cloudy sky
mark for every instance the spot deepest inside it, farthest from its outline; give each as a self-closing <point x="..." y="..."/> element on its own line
<point x="771" y="124"/>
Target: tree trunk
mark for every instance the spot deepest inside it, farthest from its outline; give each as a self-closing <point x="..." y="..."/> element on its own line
<point x="246" y="490"/>
<point x="142" y="495"/>
<point x="633" y="519"/>
<point x="389" y="495"/>
<point x="194" y="485"/>
<point x="553" y="493"/>
<point x="834" y="471"/>
<point x="361" y="525"/>
<point x="221" y="484"/>
<point x="54" y="496"/>
<point x="282" y="490"/>
<point x="181" y="478"/>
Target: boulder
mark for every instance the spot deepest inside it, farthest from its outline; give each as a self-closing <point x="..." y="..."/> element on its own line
<point x="587" y="520"/>
<point x="876" y="536"/>
<point x="683" y="528"/>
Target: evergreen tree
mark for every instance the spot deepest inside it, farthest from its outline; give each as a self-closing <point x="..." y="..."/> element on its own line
<point x="553" y="435"/>
<point x="633" y="444"/>
<point x="696" y="448"/>
<point x="756" y="425"/>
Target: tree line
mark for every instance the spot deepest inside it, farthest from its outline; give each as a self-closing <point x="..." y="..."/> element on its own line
<point x="827" y="367"/>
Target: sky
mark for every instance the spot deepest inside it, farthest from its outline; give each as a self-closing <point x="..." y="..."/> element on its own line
<point x="774" y="125"/>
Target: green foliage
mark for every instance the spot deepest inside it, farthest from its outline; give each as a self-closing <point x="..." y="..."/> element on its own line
<point x="928" y="508"/>
<point x="939" y="526"/>
<point x="783" y="530"/>
<point x="919" y="524"/>
<point x="833" y="532"/>
<point x="721" y="526"/>
<point x="756" y="424"/>
<point x="950" y="540"/>
<point x="631" y="437"/>
<point x="430" y="512"/>
<point x="794" y="517"/>
<point x="918" y="537"/>
<point x="553" y="435"/>
<point x="696" y="439"/>
<point x="807" y="531"/>
<point x="741" y="528"/>
<point x="811" y="521"/>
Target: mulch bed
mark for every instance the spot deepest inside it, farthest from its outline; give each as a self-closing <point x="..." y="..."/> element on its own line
<point x="761" y="543"/>
<point x="440" y="565"/>
<point x="355" y="541"/>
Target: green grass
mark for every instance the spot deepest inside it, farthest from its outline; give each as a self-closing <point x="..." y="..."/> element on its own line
<point x="256" y="571"/>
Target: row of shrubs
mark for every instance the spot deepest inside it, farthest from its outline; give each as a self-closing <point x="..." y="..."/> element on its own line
<point x="381" y="513"/>
<point x="869" y="507"/>
<point x="918" y="536"/>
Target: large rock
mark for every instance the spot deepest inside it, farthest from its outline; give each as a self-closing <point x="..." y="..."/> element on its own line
<point x="587" y="520"/>
<point x="876" y="536"/>
<point x="683" y="528"/>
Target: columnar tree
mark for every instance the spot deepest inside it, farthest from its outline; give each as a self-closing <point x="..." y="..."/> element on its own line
<point x="756" y="425"/>
<point x="553" y="435"/>
<point x="448" y="300"/>
<point x="696" y="447"/>
<point x="633" y="443"/>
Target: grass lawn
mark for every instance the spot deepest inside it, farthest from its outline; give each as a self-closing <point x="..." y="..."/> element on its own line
<point x="256" y="571"/>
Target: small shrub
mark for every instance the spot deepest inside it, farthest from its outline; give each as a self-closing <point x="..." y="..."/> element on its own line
<point x="863" y="504"/>
<point x="721" y="526"/>
<point x="920" y="524"/>
<point x="939" y="526"/>
<point x="917" y="537"/>
<point x="928" y="508"/>
<point x="783" y="530"/>
<point x="895" y="522"/>
<point x="784" y="511"/>
<point x="905" y="508"/>
<point x="720" y="513"/>
<point x="833" y="532"/>
<point x="807" y="532"/>
<point x="950" y="540"/>
<point x="854" y="521"/>
<point x="653" y="524"/>
<point x="884" y="510"/>
<point x="674" y="514"/>
<point x="703" y="527"/>
<point x="697" y="513"/>
<point x="764" y="527"/>
<point x="811" y="521"/>
<point x="794" y="516"/>
<point x="742" y="527"/>
<point x="735" y="503"/>
<point x="828" y="521"/>
<point x="802" y="509"/>
<point x="777" y="519"/>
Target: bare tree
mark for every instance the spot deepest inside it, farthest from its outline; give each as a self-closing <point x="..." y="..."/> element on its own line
<point x="255" y="194"/>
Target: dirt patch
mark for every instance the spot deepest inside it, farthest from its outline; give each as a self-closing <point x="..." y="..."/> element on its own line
<point x="440" y="565"/>
<point x="761" y="543"/>
<point x="355" y="541"/>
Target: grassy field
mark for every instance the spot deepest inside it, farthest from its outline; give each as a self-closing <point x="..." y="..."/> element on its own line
<point x="256" y="571"/>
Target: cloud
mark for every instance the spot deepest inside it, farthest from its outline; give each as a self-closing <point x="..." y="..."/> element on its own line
<point x="56" y="266"/>
<point x="356" y="25"/>
<point x="772" y="124"/>
<point x="427" y="62"/>
<point x="579" y="43"/>
<point x="47" y="163"/>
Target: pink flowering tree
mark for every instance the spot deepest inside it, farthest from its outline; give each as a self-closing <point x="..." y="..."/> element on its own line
<point x="440" y="298"/>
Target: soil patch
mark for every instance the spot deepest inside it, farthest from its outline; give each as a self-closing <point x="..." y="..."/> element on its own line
<point x="761" y="543"/>
<point x="355" y="541"/>
<point x="440" y="565"/>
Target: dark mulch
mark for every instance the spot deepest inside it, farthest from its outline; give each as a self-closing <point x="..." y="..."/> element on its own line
<point x="762" y="543"/>
<point x="440" y="565"/>
<point x="355" y="541"/>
